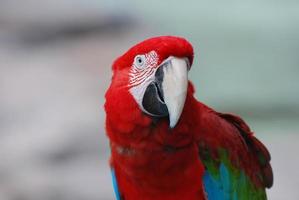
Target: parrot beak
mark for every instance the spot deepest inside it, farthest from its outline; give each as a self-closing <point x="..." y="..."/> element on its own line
<point x="174" y="86"/>
<point x="167" y="94"/>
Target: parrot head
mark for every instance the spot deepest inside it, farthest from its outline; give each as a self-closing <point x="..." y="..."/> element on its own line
<point x="155" y="73"/>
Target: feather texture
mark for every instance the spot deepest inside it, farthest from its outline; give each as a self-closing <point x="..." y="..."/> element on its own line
<point x="115" y="185"/>
<point x="225" y="182"/>
<point x="206" y="156"/>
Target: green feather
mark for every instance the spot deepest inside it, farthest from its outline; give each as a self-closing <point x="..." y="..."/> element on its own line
<point x="229" y="182"/>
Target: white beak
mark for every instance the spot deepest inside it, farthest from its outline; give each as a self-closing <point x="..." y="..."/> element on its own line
<point x="174" y="85"/>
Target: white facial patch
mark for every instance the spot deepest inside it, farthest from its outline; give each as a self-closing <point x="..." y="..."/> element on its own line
<point x="142" y="73"/>
<point x="143" y="67"/>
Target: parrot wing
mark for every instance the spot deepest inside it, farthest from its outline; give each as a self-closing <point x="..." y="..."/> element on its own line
<point x="236" y="163"/>
<point x="115" y="185"/>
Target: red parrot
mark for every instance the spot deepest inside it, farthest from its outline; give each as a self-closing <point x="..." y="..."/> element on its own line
<point x="166" y="145"/>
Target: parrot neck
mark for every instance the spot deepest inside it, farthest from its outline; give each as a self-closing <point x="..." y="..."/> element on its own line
<point x="129" y="151"/>
<point x="147" y="155"/>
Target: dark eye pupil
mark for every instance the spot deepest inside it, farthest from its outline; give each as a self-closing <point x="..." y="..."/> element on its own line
<point x="139" y="60"/>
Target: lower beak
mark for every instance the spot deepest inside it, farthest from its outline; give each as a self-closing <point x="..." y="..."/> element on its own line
<point x="167" y="94"/>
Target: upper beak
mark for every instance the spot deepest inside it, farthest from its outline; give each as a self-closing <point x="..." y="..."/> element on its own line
<point x="167" y="94"/>
<point x="174" y="88"/>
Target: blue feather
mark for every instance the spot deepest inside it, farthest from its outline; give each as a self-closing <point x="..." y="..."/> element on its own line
<point x="115" y="186"/>
<point x="218" y="188"/>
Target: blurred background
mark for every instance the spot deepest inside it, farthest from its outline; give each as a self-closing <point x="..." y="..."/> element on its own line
<point x="55" y="58"/>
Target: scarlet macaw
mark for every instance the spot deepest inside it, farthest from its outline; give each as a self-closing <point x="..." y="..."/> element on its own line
<point x="165" y="144"/>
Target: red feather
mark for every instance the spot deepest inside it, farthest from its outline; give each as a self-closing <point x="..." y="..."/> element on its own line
<point x="152" y="161"/>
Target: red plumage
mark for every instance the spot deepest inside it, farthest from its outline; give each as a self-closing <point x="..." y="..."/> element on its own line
<point x="152" y="161"/>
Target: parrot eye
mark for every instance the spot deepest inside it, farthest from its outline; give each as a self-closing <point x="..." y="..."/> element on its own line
<point x="139" y="61"/>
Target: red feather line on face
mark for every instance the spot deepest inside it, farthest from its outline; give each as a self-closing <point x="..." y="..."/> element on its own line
<point x="138" y="76"/>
